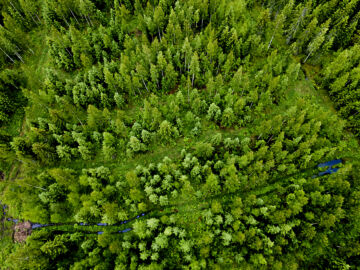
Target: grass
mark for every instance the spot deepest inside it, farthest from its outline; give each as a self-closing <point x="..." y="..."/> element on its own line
<point x="308" y="86"/>
<point x="33" y="69"/>
<point x="35" y="63"/>
<point x="189" y="210"/>
<point x="155" y="154"/>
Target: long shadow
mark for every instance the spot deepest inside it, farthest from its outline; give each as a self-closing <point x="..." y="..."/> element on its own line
<point x="304" y="172"/>
<point x="160" y="209"/>
<point x="164" y="210"/>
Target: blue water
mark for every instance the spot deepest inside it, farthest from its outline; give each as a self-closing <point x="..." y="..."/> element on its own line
<point x="39" y="225"/>
<point x="330" y="163"/>
<point x="329" y="171"/>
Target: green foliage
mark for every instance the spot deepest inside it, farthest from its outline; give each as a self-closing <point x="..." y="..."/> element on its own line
<point x="208" y="116"/>
<point x="167" y="132"/>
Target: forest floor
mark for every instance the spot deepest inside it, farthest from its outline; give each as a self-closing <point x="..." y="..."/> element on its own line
<point x="188" y="208"/>
<point x="322" y="97"/>
<point x="32" y="68"/>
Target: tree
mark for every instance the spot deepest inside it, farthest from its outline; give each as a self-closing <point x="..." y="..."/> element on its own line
<point x="187" y="50"/>
<point x="31" y="256"/>
<point x="185" y="246"/>
<point x="135" y="144"/>
<point x="151" y="117"/>
<point x="6" y="107"/>
<point x="161" y="62"/>
<point x="108" y="147"/>
<point x="139" y="228"/>
<point x="154" y="74"/>
<point x="163" y="200"/>
<point x="227" y="238"/>
<point x="167" y="132"/>
<point x="136" y="195"/>
<point x="44" y="152"/>
<point x="152" y="223"/>
<point x="95" y="118"/>
<point x="56" y="247"/>
<point x="315" y="44"/>
<point x="258" y="260"/>
<point x="204" y="150"/>
<point x="161" y="241"/>
<point x="85" y="151"/>
<point x="296" y="201"/>
<point x="54" y="194"/>
<point x="22" y="147"/>
<point x="146" y="136"/>
<point x="6" y="155"/>
<point x="214" y="112"/>
<point x="170" y="79"/>
<point x="228" y="117"/>
<point x="119" y="100"/>
<point x="194" y="67"/>
<point x="159" y="19"/>
<point x="212" y="184"/>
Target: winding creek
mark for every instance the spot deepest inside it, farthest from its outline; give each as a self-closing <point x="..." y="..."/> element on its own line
<point x="39" y="225"/>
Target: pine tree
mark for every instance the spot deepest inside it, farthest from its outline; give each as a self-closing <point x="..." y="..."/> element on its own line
<point x="214" y="112"/>
<point x="315" y="44"/>
<point x="187" y="51"/>
<point x="194" y="68"/>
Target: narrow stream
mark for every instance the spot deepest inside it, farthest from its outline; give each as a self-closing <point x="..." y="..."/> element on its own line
<point x="39" y="225"/>
<point x="328" y="164"/>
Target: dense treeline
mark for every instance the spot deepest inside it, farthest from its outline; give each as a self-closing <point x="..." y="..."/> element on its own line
<point x="199" y="113"/>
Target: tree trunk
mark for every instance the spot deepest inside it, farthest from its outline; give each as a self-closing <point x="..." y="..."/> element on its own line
<point x="90" y="20"/>
<point x="37" y="17"/>
<point x="159" y="34"/>
<point x="7" y="55"/>
<point x="35" y="186"/>
<point x="69" y="52"/>
<point x="66" y="21"/>
<point x="86" y="19"/>
<point x="145" y="84"/>
<point x="19" y="56"/>
<point x="31" y="50"/>
<point x="33" y="19"/>
<point x="270" y="41"/>
<point x="270" y="138"/>
<point x="308" y="56"/>
<point x="188" y="94"/>
<point x="17" y="10"/>
<point x="74" y="16"/>
<point x="185" y="64"/>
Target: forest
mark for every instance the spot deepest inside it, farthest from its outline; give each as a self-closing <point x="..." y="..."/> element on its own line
<point x="169" y="134"/>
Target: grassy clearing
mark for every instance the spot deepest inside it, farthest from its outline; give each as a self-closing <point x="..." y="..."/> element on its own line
<point x="189" y="210"/>
<point x="35" y="64"/>
<point x="320" y="94"/>
<point x="32" y="69"/>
